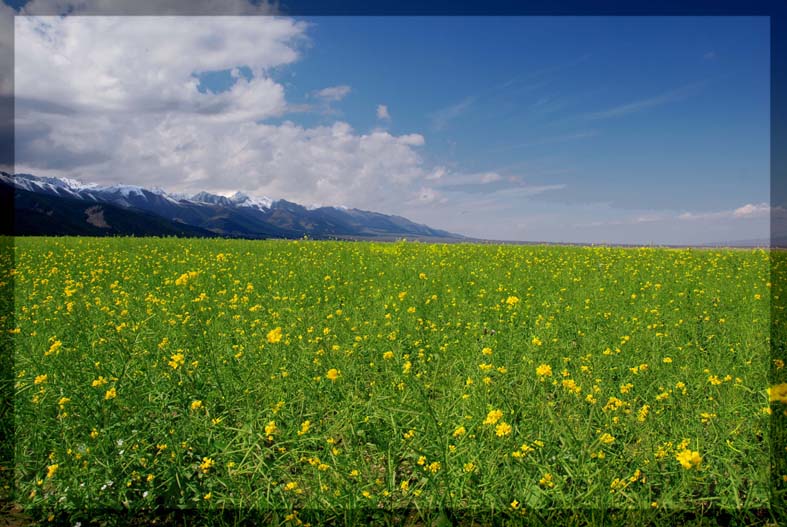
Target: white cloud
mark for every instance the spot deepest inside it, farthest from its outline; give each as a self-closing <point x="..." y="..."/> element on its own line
<point x="438" y="173"/>
<point x="115" y="99"/>
<point x="750" y="210"/>
<point x="147" y="64"/>
<point x="382" y="112"/>
<point x="334" y="93"/>
<point x="490" y="177"/>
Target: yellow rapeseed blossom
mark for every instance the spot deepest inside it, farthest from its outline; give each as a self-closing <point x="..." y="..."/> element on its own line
<point x="176" y="360"/>
<point x="778" y="393"/>
<point x="459" y="431"/>
<point x="54" y="348"/>
<point x="502" y="429"/>
<point x="206" y="464"/>
<point x="493" y="417"/>
<point x="546" y="481"/>
<point x="110" y="394"/>
<point x="512" y="300"/>
<point x="688" y="458"/>
<point x="40" y="379"/>
<point x="274" y="335"/>
<point x="606" y="438"/>
<point x="51" y="469"/>
<point x="304" y="427"/>
<point x="544" y="370"/>
<point x="270" y="429"/>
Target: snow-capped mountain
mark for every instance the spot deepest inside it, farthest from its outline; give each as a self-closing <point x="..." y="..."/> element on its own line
<point x="204" y="213"/>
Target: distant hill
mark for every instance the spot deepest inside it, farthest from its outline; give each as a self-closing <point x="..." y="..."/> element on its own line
<point x="61" y="206"/>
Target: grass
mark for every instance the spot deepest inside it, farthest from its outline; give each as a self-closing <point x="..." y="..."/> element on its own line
<point x="310" y="380"/>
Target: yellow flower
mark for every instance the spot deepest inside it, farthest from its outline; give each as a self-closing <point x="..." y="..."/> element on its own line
<point x="196" y="405"/>
<point x="544" y="370"/>
<point x="111" y="394"/>
<point x="332" y="374"/>
<point x="270" y="428"/>
<point x="512" y="300"/>
<point x="778" y="393"/>
<point x="51" y="469"/>
<point x="206" y="465"/>
<point x="502" y="429"/>
<point x="388" y="355"/>
<point x="274" y="335"/>
<point x="535" y="341"/>
<point x="54" y="347"/>
<point x="515" y="504"/>
<point x="406" y="367"/>
<point x="546" y="481"/>
<point x="469" y="467"/>
<point x="40" y="379"/>
<point x="606" y="438"/>
<point x="486" y="351"/>
<point x="493" y="417"/>
<point x="688" y="458"/>
<point x="304" y="427"/>
<point x="177" y="359"/>
<point x="433" y="467"/>
<point x="459" y="431"/>
<point x="207" y="496"/>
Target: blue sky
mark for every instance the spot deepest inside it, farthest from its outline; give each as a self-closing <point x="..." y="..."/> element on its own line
<point x="587" y="129"/>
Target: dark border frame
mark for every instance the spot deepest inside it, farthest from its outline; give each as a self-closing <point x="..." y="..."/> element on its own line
<point x="775" y="9"/>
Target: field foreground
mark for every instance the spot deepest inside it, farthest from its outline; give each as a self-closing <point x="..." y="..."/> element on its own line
<point x="291" y="376"/>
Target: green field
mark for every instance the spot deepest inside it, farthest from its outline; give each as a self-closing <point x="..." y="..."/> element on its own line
<point x="341" y="377"/>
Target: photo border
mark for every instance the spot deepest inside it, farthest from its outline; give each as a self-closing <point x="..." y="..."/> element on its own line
<point x="775" y="10"/>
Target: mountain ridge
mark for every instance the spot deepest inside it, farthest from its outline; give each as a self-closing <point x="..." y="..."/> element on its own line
<point x="201" y="214"/>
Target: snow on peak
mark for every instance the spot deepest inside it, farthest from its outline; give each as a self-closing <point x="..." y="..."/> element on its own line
<point x="126" y="190"/>
<point x="242" y="199"/>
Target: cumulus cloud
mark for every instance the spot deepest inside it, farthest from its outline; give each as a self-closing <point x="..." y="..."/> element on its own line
<point x="117" y="99"/>
<point x="382" y="112"/>
<point x="752" y="211"/>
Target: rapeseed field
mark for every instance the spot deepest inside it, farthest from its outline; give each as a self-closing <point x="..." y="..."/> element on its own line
<point x="291" y="376"/>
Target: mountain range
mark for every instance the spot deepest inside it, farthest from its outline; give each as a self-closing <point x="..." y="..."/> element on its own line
<point x="62" y="206"/>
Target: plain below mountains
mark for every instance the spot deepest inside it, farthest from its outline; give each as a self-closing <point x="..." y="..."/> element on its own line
<point x="60" y="206"/>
